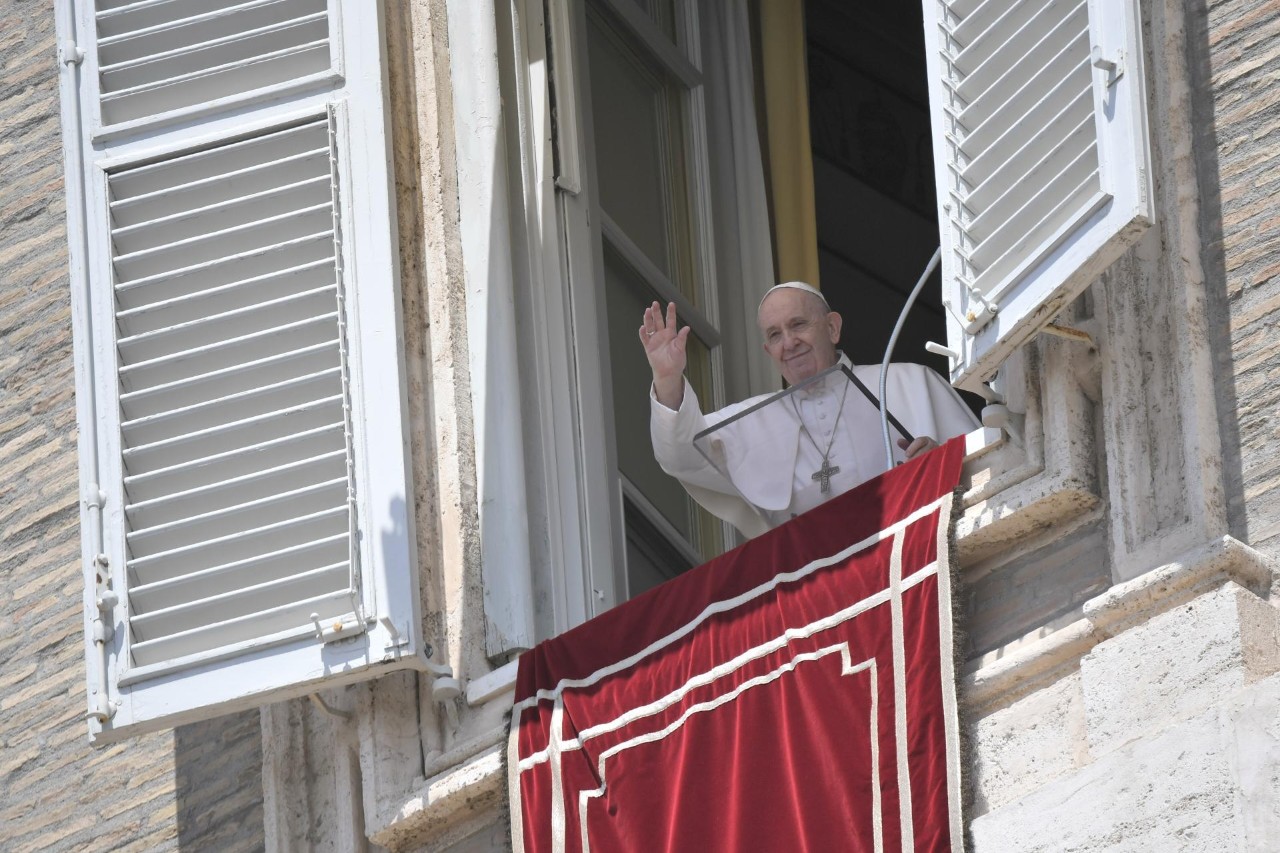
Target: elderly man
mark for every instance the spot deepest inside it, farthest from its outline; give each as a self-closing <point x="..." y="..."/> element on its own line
<point x="826" y="442"/>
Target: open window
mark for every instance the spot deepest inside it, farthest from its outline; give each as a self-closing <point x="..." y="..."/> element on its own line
<point x="645" y="219"/>
<point x="873" y="175"/>
<point x="244" y="511"/>
<point x="648" y="133"/>
<point x="647" y="165"/>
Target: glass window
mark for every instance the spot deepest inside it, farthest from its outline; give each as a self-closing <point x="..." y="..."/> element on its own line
<point x="662" y="13"/>
<point x="643" y="126"/>
<point x="640" y="143"/>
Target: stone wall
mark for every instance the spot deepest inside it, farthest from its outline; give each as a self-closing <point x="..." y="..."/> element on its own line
<point x="1159" y="733"/>
<point x="1236" y="62"/>
<point x="1150" y="721"/>
<point x="196" y="788"/>
<point x="1165" y="738"/>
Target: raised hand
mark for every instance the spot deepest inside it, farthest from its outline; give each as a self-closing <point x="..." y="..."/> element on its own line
<point x="664" y="347"/>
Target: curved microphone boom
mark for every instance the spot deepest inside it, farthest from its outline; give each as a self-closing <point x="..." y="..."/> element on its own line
<point x="888" y="354"/>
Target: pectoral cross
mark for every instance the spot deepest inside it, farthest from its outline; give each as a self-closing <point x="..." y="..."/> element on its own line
<point x="823" y="475"/>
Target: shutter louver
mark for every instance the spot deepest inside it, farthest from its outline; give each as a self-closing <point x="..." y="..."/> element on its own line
<point x="1025" y="134"/>
<point x="232" y="394"/>
<point x="1019" y="68"/>
<point x="239" y="372"/>
<point x="161" y="56"/>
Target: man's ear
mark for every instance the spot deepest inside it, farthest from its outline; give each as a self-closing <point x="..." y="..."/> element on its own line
<point x="834" y="322"/>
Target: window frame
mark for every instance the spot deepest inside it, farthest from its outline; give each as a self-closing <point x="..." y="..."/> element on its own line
<point x="681" y="62"/>
<point x="576" y="494"/>
<point x="583" y="513"/>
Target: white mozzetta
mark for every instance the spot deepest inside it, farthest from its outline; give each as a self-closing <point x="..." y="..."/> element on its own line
<point x="1040" y="156"/>
<point x="247" y="533"/>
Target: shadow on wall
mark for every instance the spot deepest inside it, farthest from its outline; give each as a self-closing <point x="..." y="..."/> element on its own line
<point x="1206" y="152"/>
<point x="218" y="784"/>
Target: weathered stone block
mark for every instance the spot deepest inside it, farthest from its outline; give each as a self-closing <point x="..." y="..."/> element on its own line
<point x="1253" y="731"/>
<point x="1021" y="747"/>
<point x="1172" y="791"/>
<point x="1208" y="783"/>
<point x="1035" y="588"/>
<point x="494" y="838"/>
<point x="1177" y="664"/>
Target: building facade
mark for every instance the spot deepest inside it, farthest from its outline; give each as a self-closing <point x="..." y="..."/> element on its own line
<point x="1120" y="543"/>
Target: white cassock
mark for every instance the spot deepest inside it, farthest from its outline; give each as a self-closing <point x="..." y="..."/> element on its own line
<point x="770" y="460"/>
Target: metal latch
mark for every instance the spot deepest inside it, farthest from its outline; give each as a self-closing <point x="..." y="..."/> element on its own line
<point x="337" y="629"/>
<point x="1113" y="67"/>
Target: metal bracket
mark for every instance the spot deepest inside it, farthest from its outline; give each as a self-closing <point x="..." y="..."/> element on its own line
<point x="1113" y="67"/>
<point x="1080" y="336"/>
<point x="399" y="641"/>
<point x="327" y="708"/>
<point x="105" y="599"/>
<point x="444" y="688"/>
<point x="100" y="708"/>
<point x="939" y="349"/>
<point x="998" y="416"/>
<point x="70" y="53"/>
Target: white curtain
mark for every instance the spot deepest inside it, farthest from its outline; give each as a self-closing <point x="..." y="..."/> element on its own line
<point x="744" y="257"/>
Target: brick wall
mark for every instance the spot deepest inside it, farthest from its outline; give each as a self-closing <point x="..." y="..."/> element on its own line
<point x="1239" y="153"/>
<point x="197" y="788"/>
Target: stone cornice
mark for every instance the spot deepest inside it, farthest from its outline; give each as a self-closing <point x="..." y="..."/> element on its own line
<point x="1123" y="606"/>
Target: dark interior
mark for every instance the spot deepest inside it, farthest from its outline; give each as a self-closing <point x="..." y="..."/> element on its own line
<point x="873" y="174"/>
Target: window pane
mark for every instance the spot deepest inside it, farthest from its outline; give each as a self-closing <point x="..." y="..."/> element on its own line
<point x="637" y="114"/>
<point x="651" y="560"/>
<point x="627" y="296"/>
<point x="662" y="12"/>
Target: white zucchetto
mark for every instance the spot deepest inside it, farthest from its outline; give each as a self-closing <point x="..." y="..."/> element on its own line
<point x="794" y="285"/>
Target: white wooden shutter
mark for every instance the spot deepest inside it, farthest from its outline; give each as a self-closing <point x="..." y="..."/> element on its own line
<point x="192" y="57"/>
<point x="246" y="517"/>
<point x="1040" y="146"/>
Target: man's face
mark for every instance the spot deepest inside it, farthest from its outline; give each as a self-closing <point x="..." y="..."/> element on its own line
<point x="800" y="334"/>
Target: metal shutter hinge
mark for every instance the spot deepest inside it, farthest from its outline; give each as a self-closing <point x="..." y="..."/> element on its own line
<point x="105" y="600"/>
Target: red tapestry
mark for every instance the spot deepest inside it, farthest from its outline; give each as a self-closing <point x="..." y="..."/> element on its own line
<point x="794" y="694"/>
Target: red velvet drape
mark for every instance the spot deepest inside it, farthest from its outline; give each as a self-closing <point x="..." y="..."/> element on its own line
<point x="794" y="694"/>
